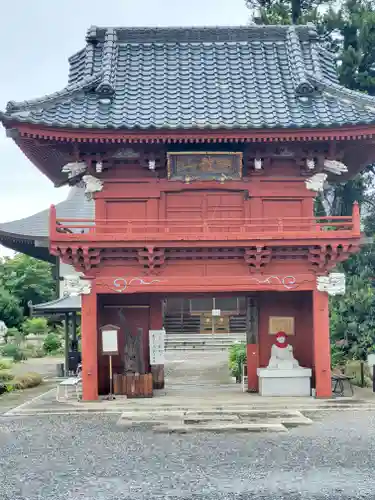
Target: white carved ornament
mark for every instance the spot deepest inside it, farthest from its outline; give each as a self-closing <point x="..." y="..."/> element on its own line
<point x="74" y="285"/>
<point x="92" y="185"/>
<point x="310" y="163"/>
<point x="74" y="168"/>
<point x="258" y="163"/>
<point x="333" y="284"/>
<point x="316" y="182"/>
<point x="335" y="167"/>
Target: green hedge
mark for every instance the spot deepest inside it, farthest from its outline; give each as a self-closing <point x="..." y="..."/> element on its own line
<point x="237" y="358"/>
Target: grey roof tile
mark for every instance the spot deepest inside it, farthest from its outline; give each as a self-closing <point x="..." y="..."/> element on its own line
<point x="36" y="226"/>
<point x="169" y="78"/>
<point x="63" y="304"/>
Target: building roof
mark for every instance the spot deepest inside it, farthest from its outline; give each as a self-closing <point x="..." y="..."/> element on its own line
<point x="64" y="304"/>
<point x="249" y="77"/>
<point x="30" y="235"/>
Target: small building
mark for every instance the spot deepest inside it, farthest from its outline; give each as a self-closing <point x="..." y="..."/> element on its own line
<point x="203" y="150"/>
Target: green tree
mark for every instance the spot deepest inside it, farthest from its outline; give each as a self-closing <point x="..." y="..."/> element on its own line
<point x="27" y="279"/>
<point x="10" y="311"/>
<point x="348" y="28"/>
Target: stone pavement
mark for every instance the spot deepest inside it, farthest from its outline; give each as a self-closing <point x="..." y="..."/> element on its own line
<point x="199" y="396"/>
<point x="86" y="457"/>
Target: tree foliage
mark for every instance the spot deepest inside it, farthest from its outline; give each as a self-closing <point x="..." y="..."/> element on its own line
<point x="348" y="28"/>
<point x="10" y="311"/>
<point x="27" y="279"/>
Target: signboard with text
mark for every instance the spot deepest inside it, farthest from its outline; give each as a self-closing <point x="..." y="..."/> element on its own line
<point x="157" y="347"/>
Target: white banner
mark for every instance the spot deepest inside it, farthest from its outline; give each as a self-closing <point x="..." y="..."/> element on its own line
<point x="157" y="347"/>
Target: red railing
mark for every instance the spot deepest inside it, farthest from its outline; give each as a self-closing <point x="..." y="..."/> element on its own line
<point x="169" y="228"/>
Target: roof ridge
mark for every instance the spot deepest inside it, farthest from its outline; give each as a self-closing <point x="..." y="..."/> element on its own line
<point x="69" y="91"/>
<point x="338" y="90"/>
<point x="105" y="87"/>
<point x="302" y="85"/>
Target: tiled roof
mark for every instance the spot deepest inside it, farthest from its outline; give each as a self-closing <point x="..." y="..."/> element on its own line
<point x="63" y="304"/>
<point x="36" y="226"/>
<point x="194" y="78"/>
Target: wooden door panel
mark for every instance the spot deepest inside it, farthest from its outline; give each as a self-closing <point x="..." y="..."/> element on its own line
<point x="133" y="347"/>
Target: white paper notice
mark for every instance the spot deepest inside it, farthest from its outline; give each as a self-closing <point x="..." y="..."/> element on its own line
<point x="109" y="341"/>
<point x="157" y="347"/>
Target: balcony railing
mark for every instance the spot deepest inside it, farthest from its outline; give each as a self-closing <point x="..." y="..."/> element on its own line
<point x="225" y="229"/>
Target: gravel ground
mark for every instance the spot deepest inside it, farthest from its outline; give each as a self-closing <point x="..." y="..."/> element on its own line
<point x="88" y="457"/>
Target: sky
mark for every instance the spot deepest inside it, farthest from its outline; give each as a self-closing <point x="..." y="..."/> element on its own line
<point x="36" y="39"/>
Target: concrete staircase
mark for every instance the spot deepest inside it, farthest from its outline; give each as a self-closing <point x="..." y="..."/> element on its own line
<point x="202" y="341"/>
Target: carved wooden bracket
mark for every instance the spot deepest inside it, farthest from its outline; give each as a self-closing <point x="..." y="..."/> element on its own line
<point x="326" y="257"/>
<point x="151" y="258"/>
<point x="82" y="259"/>
<point x="257" y="257"/>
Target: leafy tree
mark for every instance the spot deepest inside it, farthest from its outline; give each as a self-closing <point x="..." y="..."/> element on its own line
<point x="27" y="279"/>
<point x="348" y="28"/>
<point x="10" y="310"/>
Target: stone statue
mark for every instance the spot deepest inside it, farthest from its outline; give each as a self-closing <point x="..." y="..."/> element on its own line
<point x="316" y="182"/>
<point x="92" y="185"/>
<point x="333" y="284"/>
<point x="282" y="354"/>
<point x="73" y="285"/>
<point x="3" y="332"/>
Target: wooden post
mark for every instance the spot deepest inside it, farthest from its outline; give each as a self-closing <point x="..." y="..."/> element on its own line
<point x="89" y="336"/>
<point x="67" y="345"/>
<point x="321" y="345"/>
<point x="74" y="328"/>
<point x="156" y="323"/>
<point x="252" y="348"/>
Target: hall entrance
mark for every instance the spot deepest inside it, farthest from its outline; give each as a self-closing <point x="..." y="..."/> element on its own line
<point x="203" y="314"/>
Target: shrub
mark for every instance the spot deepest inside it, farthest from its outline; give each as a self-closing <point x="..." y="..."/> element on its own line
<point x="5" y="364"/>
<point x="36" y="326"/>
<point x="237" y="358"/>
<point x="13" y="351"/>
<point x="51" y="343"/>
<point x="353" y="369"/>
<point x="36" y="352"/>
<point x="6" y="376"/>
<point x="14" y="335"/>
<point x="26" y="381"/>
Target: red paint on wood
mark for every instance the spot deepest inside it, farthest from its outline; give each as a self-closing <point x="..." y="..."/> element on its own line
<point x="321" y="345"/>
<point x="89" y="346"/>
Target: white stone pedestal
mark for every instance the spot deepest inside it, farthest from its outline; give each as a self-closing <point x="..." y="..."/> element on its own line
<point x="277" y="382"/>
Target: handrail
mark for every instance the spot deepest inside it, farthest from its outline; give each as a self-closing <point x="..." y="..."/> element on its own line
<point x="61" y="226"/>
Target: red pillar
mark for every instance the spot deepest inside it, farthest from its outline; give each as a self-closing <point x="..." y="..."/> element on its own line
<point x="321" y="343"/>
<point x="156" y="323"/>
<point x="89" y="345"/>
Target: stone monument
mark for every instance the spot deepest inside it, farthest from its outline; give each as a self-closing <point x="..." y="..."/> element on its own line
<point x="283" y="375"/>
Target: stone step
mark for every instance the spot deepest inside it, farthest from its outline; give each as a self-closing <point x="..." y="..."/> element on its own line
<point x="197" y="421"/>
<point x="219" y="427"/>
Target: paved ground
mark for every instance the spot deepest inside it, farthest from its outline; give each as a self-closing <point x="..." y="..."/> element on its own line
<point x="45" y="366"/>
<point x="88" y="457"/>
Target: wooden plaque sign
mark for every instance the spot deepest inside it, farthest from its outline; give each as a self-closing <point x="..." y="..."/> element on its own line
<point x="281" y="324"/>
<point x="109" y="336"/>
<point x="205" y="165"/>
